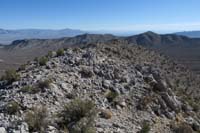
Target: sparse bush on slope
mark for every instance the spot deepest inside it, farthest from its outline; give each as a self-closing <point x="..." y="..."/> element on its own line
<point x="12" y="108"/>
<point x="145" y="128"/>
<point x="37" y="119"/>
<point x="42" y="61"/>
<point x="44" y="84"/>
<point x="79" y="116"/>
<point x="30" y="89"/>
<point x="60" y="52"/>
<point x="11" y="76"/>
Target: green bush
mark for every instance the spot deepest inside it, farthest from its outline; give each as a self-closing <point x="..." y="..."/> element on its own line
<point x="11" y="76"/>
<point x="44" y="84"/>
<point x="145" y="128"/>
<point x="40" y="87"/>
<point x="79" y="116"/>
<point x="50" y="54"/>
<point x="60" y="52"/>
<point x="42" y="61"/>
<point x="22" y="67"/>
<point x="12" y="108"/>
<point x="37" y="119"/>
<point x="30" y="89"/>
<point x="111" y="96"/>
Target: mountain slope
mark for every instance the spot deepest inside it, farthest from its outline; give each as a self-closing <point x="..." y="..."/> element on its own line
<point x="7" y="36"/>
<point x="21" y="51"/>
<point x="150" y="39"/>
<point x="132" y="89"/>
<point x="192" y="34"/>
<point x="181" y="48"/>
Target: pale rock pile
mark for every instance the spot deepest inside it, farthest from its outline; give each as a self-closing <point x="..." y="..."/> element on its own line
<point x="91" y="72"/>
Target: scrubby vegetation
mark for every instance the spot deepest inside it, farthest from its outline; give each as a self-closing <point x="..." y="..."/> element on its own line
<point x="78" y="116"/>
<point x="50" y="54"/>
<point x="12" y="108"/>
<point x="30" y="89"/>
<point x="22" y="67"/>
<point x="145" y="128"/>
<point x="37" y="119"/>
<point x="42" y="61"/>
<point x="39" y="87"/>
<point x="183" y="128"/>
<point x="144" y="102"/>
<point x="10" y="76"/>
<point x="111" y="95"/>
<point x="60" y="52"/>
<point x="44" y="84"/>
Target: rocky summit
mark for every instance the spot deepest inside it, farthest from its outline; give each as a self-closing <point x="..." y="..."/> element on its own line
<point x="102" y="87"/>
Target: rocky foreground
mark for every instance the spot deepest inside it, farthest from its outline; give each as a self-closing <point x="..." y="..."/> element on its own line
<point x="103" y="88"/>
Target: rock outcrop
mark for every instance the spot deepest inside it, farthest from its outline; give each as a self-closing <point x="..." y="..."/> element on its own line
<point x="129" y="86"/>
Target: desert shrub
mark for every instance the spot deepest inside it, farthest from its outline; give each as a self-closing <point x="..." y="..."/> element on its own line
<point x="79" y="116"/>
<point x="50" y="54"/>
<point x="30" y="89"/>
<point x="22" y="67"/>
<point x="111" y="96"/>
<point x="60" y="52"/>
<point x="12" y="108"/>
<point x="86" y="73"/>
<point x="76" y="49"/>
<point x="183" y="128"/>
<point x="42" y="61"/>
<point x="44" y="84"/>
<point x="145" y="128"/>
<point x="39" y="87"/>
<point x="37" y="119"/>
<point x="144" y="102"/>
<point x="36" y="59"/>
<point x="193" y="103"/>
<point x="11" y="76"/>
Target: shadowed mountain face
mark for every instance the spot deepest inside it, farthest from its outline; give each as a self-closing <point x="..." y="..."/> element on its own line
<point x="150" y="39"/>
<point x="182" y="48"/>
<point x="7" y="36"/>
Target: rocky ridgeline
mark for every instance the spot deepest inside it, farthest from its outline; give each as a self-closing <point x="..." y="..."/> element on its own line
<point x="101" y="88"/>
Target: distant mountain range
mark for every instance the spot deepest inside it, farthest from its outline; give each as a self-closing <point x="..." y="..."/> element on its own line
<point x="192" y="34"/>
<point x="182" y="48"/>
<point x="7" y="36"/>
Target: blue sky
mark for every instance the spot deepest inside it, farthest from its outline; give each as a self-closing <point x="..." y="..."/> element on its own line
<point x="113" y="15"/>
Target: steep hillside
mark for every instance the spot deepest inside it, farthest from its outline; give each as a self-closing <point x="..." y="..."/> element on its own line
<point x="101" y="87"/>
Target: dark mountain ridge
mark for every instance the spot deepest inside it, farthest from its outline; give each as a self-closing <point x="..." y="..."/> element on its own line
<point x="151" y="39"/>
<point x="181" y="48"/>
